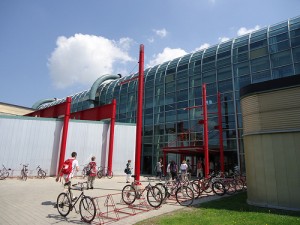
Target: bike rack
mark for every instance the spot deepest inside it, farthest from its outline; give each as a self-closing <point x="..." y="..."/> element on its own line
<point x="108" y="211"/>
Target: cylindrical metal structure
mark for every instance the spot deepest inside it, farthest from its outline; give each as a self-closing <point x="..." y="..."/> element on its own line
<point x="65" y="133"/>
<point x="139" y="119"/>
<point x="205" y="130"/>
<point x="111" y="135"/>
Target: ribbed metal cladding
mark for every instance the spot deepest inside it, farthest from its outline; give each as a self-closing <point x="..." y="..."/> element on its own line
<point x="271" y="111"/>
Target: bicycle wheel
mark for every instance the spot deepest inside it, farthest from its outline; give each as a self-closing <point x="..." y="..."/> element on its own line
<point x="3" y="174"/>
<point x="154" y="196"/>
<point x="206" y="186"/>
<point x="239" y="185"/>
<point x="41" y="174"/>
<point x="163" y="190"/>
<point x="196" y="188"/>
<point x="230" y="187"/>
<point x="109" y="174"/>
<point x="128" y="194"/>
<point x="100" y="174"/>
<point x="63" y="204"/>
<point x="184" y="196"/>
<point x="218" y="188"/>
<point x="87" y="209"/>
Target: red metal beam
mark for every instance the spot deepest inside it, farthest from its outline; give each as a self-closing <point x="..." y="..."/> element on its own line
<point x="64" y="133"/>
<point x="139" y="119"/>
<point x="111" y="135"/>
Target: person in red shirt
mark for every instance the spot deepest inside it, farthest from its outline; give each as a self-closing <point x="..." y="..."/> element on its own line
<point x="93" y="173"/>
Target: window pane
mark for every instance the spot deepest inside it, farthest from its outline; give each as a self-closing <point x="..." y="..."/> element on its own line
<point x="224" y="73"/>
<point x="243" y="81"/>
<point x="225" y="85"/>
<point x="279" y="38"/>
<point x="224" y="62"/>
<point x="260" y="64"/>
<point x="241" y="69"/>
<point x="279" y="46"/>
<point x="283" y="71"/>
<point x="241" y="57"/>
<point x="258" y="52"/>
<point x="295" y="41"/>
<point x="260" y="77"/>
<point x="296" y="54"/>
<point x="282" y="58"/>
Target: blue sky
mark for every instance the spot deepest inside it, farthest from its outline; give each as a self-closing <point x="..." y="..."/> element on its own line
<point x="57" y="48"/>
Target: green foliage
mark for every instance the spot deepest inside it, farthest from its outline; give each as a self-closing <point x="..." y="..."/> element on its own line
<point x="227" y="211"/>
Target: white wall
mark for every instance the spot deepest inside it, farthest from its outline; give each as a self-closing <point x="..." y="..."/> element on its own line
<point x="36" y="141"/>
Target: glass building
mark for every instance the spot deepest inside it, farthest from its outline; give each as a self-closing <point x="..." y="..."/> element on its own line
<point x="172" y="87"/>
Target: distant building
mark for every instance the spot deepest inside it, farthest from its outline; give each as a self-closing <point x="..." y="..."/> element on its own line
<point x="270" y="53"/>
<point x="16" y="110"/>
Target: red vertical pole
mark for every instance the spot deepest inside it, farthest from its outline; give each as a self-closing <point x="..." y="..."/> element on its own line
<point x="65" y="133"/>
<point x="205" y="126"/>
<point x="139" y="119"/>
<point x="111" y="134"/>
<point x="220" y="133"/>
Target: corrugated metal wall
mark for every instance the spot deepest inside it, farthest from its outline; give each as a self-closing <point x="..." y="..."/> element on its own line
<point x="36" y="141"/>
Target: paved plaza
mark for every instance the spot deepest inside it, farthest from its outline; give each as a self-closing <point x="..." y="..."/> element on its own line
<point x="33" y="202"/>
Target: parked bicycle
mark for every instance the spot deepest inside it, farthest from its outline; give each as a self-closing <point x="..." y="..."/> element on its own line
<point x="133" y="191"/>
<point x="183" y="192"/>
<point x="84" y="170"/>
<point x="4" y="173"/>
<point x="66" y="203"/>
<point x="40" y="173"/>
<point x="24" y="172"/>
<point x="104" y="171"/>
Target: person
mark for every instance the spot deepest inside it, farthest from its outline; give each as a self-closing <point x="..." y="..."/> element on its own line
<point x="128" y="171"/>
<point x="159" y="168"/>
<point x="93" y="173"/>
<point x="75" y="168"/>
<point x="183" y="169"/>
<point x="199" y="169"/>
<point x="168" y="170"/>
<point x="211" y="167"/>
<point x="173" y="169"/>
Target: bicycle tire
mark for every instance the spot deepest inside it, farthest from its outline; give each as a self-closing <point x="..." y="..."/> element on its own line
<point x="128" y="194"/>
<point x="4" y="175"/>
<point x="206" y="186"/>
<point x="184" y="196"/>
<point x="218" y="188"/>
<point x="196" y="188"/>
<point x="63" y="204"/>
<point x="230" y="187"/>
<point x="239" y="185"/>
<point x="109" y="174"/>
<point x="41" y="174"/>
<point x="100" y="174"/>
<point x="87" y="209"/>
<point x="154" y="197"/>
<point x="163" y="190"/>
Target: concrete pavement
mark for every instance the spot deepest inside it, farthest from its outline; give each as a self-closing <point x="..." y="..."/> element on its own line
<point x="33" y="202"/>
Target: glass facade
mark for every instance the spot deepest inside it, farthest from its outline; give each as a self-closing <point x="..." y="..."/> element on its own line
<point x="174" y="86"/>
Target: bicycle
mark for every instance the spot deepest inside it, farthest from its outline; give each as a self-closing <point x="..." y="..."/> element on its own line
<point x="40" y="173"/>
<point x="4" y="173"/>
<point x="104" y="171"/>
<point x="184" y="192"/>
<point x="84" y="170"/>
<point x="24" y="172"/>
<point x="132" y="191"/>
<point x="66" y="203"/>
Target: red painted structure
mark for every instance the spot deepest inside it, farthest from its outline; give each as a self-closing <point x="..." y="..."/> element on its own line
<point x="195" y="150"/>
<point x="139" y="119"/>
<point x="98" y="113"/>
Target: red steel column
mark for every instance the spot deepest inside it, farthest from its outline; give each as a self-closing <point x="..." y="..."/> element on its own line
<point x="220" y="133"/>
<point x="111" y="135"/>
<point x="65" y="133"/>
<point x="139" y="119"/>
<point x="205" y="126"/>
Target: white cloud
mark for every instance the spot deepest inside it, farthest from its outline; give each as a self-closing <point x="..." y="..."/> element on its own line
<point x="223" y="39"/>
<point x="203" y="46"/>
<point x="81" y="59"/>
<point x="244" y="30"/>
<point x="161" y="33"/>
<point x="166" y="55"/>
<point x="150" y="40"/>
